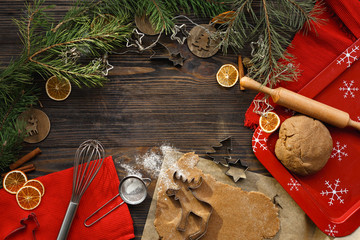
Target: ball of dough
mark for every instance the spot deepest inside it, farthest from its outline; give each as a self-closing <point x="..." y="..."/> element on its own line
<point x="304" y="145"/>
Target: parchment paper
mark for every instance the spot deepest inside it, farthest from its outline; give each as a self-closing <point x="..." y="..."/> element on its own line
<point x="295" y="225"/>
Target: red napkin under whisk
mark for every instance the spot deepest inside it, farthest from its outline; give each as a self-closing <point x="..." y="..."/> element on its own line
<point x="51" y="211"/>
<point x="318" y="48"/>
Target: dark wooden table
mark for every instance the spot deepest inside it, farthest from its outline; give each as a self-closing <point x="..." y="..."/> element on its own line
<point x="145" y="103"/>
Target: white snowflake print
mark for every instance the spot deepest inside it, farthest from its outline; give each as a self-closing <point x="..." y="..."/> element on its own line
<point x="331" y="230"/>
<point x="293" y="184"/>
<point x="348" y="57"/>
<point x="339" y="151"/>
<point x="348" y="89"/>
<point x="334" y="192"/>
<point x="358" y="118"/>
<point x="259" y="142"/>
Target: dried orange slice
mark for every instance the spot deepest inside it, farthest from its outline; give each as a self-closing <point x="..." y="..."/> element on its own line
<point x="269" y="122"/>
<point x="227" y="75"/>
<point x="58" y="89"/>
<point x="28" y="197"/>
<point x="37" y="184"/>
<point x="13" y="181"/>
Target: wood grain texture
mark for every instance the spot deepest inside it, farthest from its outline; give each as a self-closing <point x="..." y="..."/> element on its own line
<point x="144" y="104"/>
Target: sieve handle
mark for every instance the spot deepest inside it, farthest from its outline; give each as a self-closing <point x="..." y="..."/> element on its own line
<point x="89" y="225"/>
<point x="66" y="224"/>
<point x="147" y="181"/>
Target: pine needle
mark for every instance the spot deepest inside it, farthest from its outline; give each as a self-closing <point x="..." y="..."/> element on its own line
<point x="273" y="20"/>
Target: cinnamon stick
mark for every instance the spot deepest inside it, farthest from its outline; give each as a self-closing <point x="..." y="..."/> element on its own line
<point x="25" y="169"/>
<point x="29" y="169"/>
<point x="241" y="70"/>
<point x="25" y="158"/>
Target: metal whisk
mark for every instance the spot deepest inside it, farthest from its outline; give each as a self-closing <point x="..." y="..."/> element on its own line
<point x="87" y="162"/>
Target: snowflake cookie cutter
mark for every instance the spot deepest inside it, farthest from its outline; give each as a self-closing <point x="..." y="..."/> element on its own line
<point x="190" y="203"/>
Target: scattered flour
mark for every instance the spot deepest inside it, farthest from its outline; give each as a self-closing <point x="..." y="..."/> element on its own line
<point x="150" y="163"/>
<point x="130" y="169"/>
<point x="171" y="162"/>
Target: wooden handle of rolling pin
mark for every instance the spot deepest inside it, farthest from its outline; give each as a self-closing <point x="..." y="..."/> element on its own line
<point x="302" y="104"/>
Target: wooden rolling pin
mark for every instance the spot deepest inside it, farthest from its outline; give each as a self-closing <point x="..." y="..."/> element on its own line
<point x="302" y="104"/>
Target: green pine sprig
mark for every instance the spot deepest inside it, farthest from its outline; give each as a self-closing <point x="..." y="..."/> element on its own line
<point x="12" y="130"/>
<point x="161" y="13"/>
<point x="273" y="20"/>
<point x="85" y="28"/>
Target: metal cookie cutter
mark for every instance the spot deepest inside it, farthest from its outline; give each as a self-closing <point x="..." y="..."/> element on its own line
<point x="132" y="190"/>
<point x="190" y="203"/>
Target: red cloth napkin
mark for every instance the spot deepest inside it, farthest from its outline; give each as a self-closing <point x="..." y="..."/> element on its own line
<point x="318" y="48"/>
<point x="51" y="211"/>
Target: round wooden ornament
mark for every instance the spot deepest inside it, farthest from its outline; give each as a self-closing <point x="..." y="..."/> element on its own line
<point x="144" y="25"/>
<point x="37" y="125"/>
<point x="200" y="43"/>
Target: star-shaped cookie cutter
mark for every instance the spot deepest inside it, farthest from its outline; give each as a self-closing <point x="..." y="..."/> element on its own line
<point x="103" y="63"/>
<point x="262" y="106"/>
<point x="71" y="54"/>
<point x="136" y="40"/>
<point x="237" y="172"/>
<point x="175" y="56"/>
<point x="179" y="29"/>
<point x="235" y="168"/>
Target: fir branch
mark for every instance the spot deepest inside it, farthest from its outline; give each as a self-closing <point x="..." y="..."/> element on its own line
<point x="10" y="109"/>
<point x="95" y="32"/>
<point x="30" y="25"/>
<point x="161" y="13"/>
<point x="28" y="30"/>
<point x="235" y="33"/>
<point x="268" y="38"/>
<point x="12" y="130"/>
<point x="274" y="20"/>
<point x="100" y="39"/>
<point x="15" y="74"/>
<point x="79" y="8"/>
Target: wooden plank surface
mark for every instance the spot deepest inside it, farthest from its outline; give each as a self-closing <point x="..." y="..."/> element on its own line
<point x="146" y="103"/>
